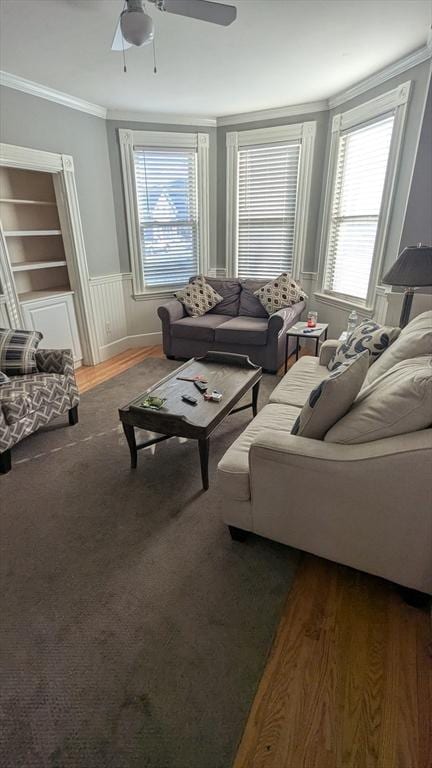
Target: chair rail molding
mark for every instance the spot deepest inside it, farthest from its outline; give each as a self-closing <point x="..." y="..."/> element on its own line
<point x="62" y="169"/>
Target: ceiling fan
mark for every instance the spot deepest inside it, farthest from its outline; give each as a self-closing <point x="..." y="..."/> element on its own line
<point x="135" y="26"/>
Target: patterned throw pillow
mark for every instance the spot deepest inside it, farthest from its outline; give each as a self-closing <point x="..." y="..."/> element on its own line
<point x="198" y="297"/>
<point x="3" y="378"/>
<point x="18" y="350"/>
<point x="368" y="335"/>
<point x="281" y="292"/>
<point x="332" y="398"/>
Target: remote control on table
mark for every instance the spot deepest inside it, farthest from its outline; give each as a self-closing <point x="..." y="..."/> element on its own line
<point x="189" y="399"/>
<point x="201" y="386"/>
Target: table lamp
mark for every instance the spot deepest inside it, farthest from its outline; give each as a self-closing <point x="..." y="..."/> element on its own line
<point x="412" y="269"/>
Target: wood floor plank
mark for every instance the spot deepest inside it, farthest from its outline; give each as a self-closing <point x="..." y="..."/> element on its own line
<point x="348" y="682"/>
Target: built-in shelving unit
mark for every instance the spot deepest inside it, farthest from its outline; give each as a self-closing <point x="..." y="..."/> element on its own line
<point x="38" y="266"/>
<point x="32" y="231"/>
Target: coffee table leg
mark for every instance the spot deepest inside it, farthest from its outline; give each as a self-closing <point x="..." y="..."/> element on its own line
<point x="255" y="393"/>
<point x="130" y="437"/>
<point x="204" y="449"/>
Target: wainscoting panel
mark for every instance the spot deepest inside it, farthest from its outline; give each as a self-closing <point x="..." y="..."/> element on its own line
<point x="121" y="321"/>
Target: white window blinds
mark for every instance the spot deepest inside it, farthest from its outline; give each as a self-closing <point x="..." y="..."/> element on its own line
<point x="266" y="209"/>
<point x="166" y="187"/>
<point x="357" y="196"/>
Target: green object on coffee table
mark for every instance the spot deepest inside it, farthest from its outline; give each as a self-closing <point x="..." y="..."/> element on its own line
<point x="153" y="402"/>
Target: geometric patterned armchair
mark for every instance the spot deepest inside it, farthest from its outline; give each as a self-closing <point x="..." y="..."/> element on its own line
<point x="29" y="401"/>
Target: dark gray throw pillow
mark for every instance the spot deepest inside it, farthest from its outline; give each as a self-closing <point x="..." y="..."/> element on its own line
<point x="250" y="305"/>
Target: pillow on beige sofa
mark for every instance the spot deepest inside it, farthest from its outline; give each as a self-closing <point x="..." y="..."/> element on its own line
<point x="367" y="335"/>
<point x="332" y="398"/>
<point x="198" y="297"/>
<point x="414" y="340"/>
<point x="398" y="402"/>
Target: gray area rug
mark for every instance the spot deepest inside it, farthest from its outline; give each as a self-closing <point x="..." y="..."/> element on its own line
<point x="133" y="630"/>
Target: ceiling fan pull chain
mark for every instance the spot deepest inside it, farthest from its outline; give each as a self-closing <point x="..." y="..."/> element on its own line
<point x="154" y="58"/>
<point x="124" y="56"/>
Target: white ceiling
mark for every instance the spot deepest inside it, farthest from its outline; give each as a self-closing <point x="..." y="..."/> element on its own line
<point x="277" y="52"/>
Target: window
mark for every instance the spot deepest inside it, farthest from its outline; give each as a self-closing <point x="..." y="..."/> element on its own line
<point x="364" y="151"/>
<point x="360" y="175"/>
<point x="166" y="190"/>
<point x="268" y="185"/>
<point x="267" y="197"/>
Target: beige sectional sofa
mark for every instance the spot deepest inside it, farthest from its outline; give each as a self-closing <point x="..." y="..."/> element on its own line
<point x="367" y="505"/>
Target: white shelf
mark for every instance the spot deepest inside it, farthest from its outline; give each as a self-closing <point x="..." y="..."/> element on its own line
<point x="25" y="202"/>
<point x="30" y="265"/>
<point x="44" y="294"/>
<point x="32" y="232"/>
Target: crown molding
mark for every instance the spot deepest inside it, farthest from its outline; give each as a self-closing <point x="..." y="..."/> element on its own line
<point x="396" y="68"/>
<point x="43" y="92"/>
<point x="165" y="118"/>
<point x="271" y="114"/>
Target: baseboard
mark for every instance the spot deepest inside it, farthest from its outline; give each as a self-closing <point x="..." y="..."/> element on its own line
<point x="129" y="342"/>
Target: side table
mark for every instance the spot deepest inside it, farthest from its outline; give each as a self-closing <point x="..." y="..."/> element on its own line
<point x="298" y="330"/>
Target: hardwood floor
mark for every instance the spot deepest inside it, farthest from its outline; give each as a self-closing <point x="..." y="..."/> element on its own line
<point x="348" y="683"/>
<point x="349" y="680"/>
<point x="89" y="376"/>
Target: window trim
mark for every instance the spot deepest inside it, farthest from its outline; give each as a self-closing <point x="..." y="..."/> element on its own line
<point x="235" y="140"/>
<point x="129" y="140"/>
<point x="395" y="101"/>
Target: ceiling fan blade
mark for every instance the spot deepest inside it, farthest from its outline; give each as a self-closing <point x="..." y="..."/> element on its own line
<point x="119" y="43"/>
<point x="216" y="13"/>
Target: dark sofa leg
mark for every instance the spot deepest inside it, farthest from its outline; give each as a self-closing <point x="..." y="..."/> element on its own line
<point x="5" y="462"/>
<point x="415" y="598"/>
<point x="237" y="534"/>
<point x="170" y="357"/>
<point x="73" y="416"/>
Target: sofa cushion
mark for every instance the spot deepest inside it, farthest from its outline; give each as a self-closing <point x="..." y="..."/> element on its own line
<point x="19" y="399"/>
<point x="250" y="305"/>
<point x="367" y="335"/>
<point x="414" y="340"/>
<point x="229" y="289"/>
<point x="197" y="328"/>
<point x="234" y="466"/>
<point x="331" y="399"/>
<point x="295" y="387"/>
<point x="281" y="292"/>
<point x="398" y="402"/>
<point x="243" y="330"/>
<point x="198" y="297"/>
<point x="18" y="350"/>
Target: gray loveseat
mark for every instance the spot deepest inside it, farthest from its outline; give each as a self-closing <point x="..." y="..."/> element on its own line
<point x="239" y="324"/>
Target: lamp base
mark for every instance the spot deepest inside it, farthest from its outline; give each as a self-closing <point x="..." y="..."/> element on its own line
<point x="406" y="307"/>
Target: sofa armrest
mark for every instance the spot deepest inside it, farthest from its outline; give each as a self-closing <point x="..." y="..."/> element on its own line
<point x="327" y="350"/>
<point x="59" y="361"/>
<point x="171" y="311"/>
<point x="285" y="318"/>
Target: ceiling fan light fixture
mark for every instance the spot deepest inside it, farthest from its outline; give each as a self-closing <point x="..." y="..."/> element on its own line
<point x="137" y="27"/>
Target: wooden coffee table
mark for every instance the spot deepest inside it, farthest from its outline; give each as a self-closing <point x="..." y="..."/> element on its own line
<point x="231" y="374"/>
